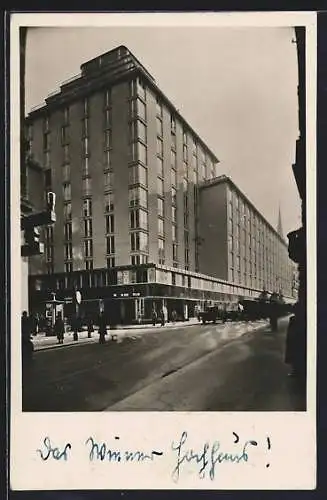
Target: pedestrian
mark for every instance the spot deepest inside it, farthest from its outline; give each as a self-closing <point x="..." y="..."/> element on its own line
<point x="102" y="328"/>
<point x="75" y="328"/>
<point x="90" y="327"/>
<point x="174" y="316"/>
<point x="162" y="317"/>
<point x="27" y="344"/>
<point x="59" y="328"/>
<point x="154" y="317"/>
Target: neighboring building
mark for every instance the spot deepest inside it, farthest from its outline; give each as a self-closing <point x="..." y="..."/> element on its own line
<point x="236" y="242"/>
<point x="125" y="167"/>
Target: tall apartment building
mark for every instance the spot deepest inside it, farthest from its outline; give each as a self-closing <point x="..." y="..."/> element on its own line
<point x="125" y="167"/>
<point x="238" y="244"/>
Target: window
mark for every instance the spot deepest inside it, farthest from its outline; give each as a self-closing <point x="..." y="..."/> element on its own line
<point x="159" y="127"/>
<point x="85" y="166"/>
<point x="159" y="147"/>
<point x="64" y="134"/>
<point x="139" y="152"/>
<point x="160" y="207"/>
<point x="109" y="202"/>
<point x="107" y="159"/>
<point x="186" y="257"/>
<point x="108" y="139"/>
<point x="68" y="231"/>
<point x="66" y="172"/>
<point x="108" y="180"/>
<point x="88" y="228"/>
<point x="46" y="141"/>
<point x="173" y="177"/>
<point x="88" y="248"/>
<point x="186" y="238"/>
<point x="139" y="219"/>
<point x="139" y="259"/>
<point x="49" y="234"/>
<point x="194" y="147"/>
<point x="195" y="176"/>
<point x="160" y="167"/>
<point x="110" y="241"/>
<point x="137" y="130"/>
<point x="138" y="196"/>
<point x="141" y="131"/>
<point x="68" y="211"/>
<point x="107" y="118"/>
<point x="173" y="195"/>
<point x="172" y="124"/>
<point x="47" y="159"/>
<point x="48" y="252"/>
<point x="68" y="267"/>
<point x="175" y="251"/>
<point x="89" y="265"/>
<point x="184" y="138"/>
<point x="161" y="231"/>
<point x="185" y="184"/>
<point x="67" y="191"/>
<point x="174" y="232"/>
<point x="66" y="153"/>
<point x="46" y="124"/>
<point x="87" y="207"/>
<point x="86" y="185"/>
<point x="159" y="108"/>
<point x="138" y="109"/>
<point x="160" y="186"/>
<point x="110" y="224"/>
<point x="161" y="251"/>
<point x="111" y="262"/>
<point x="139" y="241"/>
<point x="86" y="107"/>
<point x="194" y="162"/>
<point x="107" y="98"/>
<point x="85" y="127"/>
<point x="68" y="251"/>
<point x="173" y="159"/>
<point x="141" y="90"/>
<point x="138" y="174"/>
<point x="173" y="214"/>
<point x="66" y="115"/>
<point x="173" y="142"/>
<point x="203" y="172"/>
<point x="185" y="152"/>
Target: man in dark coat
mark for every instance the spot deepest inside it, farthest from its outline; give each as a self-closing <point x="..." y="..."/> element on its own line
<point x="102" y="328"/>
<point x="59" y="329"/>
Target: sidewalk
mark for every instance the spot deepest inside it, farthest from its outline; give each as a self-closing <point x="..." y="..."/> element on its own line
<point x="41" y="342"/>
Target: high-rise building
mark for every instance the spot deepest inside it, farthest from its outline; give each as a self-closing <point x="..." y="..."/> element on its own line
<point x="125" y="166"/>
<point x="238" y="244"/>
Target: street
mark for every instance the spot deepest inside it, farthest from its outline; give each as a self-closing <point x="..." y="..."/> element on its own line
<point x="214" y="367"/>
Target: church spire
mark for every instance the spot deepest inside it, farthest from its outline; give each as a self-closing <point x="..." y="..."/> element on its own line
<point x="279" y="225"/>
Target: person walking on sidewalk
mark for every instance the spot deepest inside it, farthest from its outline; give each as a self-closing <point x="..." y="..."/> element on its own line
<point x="162" y="317"/>
<point x="102" y="328"/>
<point x="154" y="317"/>
<point x="90" y="328"/>
<point x="59" y="328"/>
<point x="27" y="344"/>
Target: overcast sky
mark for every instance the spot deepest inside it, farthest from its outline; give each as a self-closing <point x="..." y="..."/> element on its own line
<point x="237" y="87"/>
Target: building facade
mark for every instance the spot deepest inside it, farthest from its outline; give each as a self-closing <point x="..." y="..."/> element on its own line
<point x="126" y="168"/>
<point x="116" y="151"/>
<point x="238" y="244"/>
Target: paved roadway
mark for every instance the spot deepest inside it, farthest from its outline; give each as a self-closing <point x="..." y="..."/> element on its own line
<point x="231" y="367"/>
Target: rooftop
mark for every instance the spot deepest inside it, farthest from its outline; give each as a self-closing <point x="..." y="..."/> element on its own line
<point x="97" y="67"/>
<point x="224" y="179"/>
